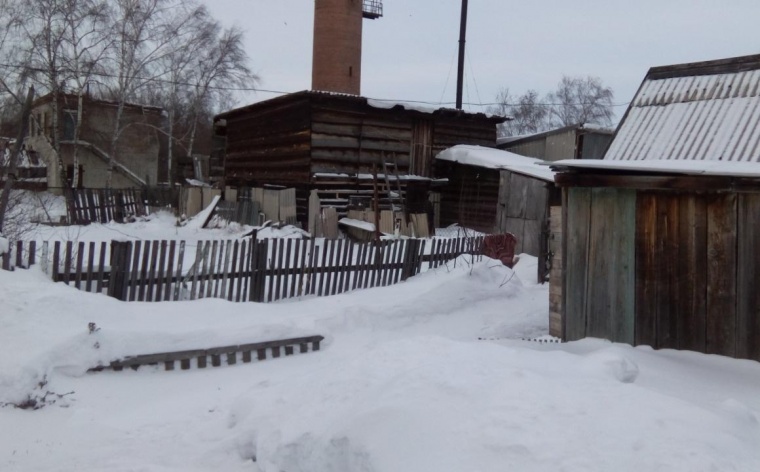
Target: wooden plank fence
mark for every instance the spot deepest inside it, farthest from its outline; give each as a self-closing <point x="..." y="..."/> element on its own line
<point x="103" y="205"/>
<point x="237" y="270"/>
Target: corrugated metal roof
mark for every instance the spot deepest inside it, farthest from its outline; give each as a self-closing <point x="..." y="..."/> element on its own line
<point x="698" y="116"/>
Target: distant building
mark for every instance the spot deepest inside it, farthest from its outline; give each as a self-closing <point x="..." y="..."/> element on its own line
<point x="334" y="143"/>
<point x="582" y="141"/>
<point x="139" y="143"/>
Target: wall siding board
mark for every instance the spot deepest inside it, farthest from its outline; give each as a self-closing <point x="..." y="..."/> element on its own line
<point x="647" y="256"/>
<point x="692" y="272"/>
<point x="610" y="280"/>
<point x="667" y="287"/>
<point x="721" y="276"/>
<point x="748" y="301"/>
<point x="576" y="233"/>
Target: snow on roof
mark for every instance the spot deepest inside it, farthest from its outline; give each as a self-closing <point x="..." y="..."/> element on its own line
<point x="701" y="111"/>
<point x="667" y="166"/>
<point x="490" y="158"/>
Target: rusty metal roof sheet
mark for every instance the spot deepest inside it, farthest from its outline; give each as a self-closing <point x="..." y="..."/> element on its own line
<point x="707" y="111"/>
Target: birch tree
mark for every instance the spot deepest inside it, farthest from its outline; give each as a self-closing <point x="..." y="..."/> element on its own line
<point x="85" y="45"/>
<point x="581" y="100"/>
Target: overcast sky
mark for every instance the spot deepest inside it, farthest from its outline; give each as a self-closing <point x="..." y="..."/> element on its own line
<point x="410" y="53"/>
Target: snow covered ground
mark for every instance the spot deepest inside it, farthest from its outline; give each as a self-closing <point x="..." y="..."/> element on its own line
<point x="430" y="375"/>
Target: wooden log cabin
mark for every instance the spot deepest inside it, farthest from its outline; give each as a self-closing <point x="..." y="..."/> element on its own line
<point x="335" y="143"/>
<point x="660" y="237"/>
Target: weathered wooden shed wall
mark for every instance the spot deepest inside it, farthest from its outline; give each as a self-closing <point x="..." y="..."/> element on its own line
<point x="287" y="140"/>
<point x="268" y="144"/>
<point x="666" y="268"/>
<point x="332" y="142"/>
<point x="523" y="206"/>
<point x="471" y="196"/>
<point x="498" y="201"/>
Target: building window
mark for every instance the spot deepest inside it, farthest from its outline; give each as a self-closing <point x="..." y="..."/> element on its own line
<point x="69" y="124"/>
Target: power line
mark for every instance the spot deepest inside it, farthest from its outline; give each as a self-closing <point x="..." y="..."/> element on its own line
<point x="282" y="92"/>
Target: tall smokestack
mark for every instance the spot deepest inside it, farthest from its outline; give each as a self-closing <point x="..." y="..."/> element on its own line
<point x="337" y="57"/>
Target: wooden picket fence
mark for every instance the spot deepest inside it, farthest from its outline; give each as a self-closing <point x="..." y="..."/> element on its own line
<point x="239" y="270"/>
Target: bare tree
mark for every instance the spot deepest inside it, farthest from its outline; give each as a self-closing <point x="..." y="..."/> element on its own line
<point x="528" y="114"/>
<point x="85" y="45"/>
<point x="581" y="100"/>
<point x="223" y="63"/>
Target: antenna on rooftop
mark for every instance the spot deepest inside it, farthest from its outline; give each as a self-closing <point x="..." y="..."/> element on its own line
<point x="372" y="9"/>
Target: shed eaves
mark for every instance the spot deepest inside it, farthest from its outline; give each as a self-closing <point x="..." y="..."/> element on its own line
<point x="699" y="116"/>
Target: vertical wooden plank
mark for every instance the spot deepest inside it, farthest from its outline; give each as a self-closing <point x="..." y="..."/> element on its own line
<point x="90" y="266"/>
<point x="349" y="266"/>
<point x="101" y="267"/>
<point x="79" y="265"/>
<point x="278" y="268"/>
<point x="668" y="300"/>
<point x="127" y="247"/>
<point x="202" y="269"/>
<point x="261" y="264"/>
<point x="300" y="258"/>
<point x="195" y="269"/>
<point x="748" y="295"/>
<point x="67" y="262"/>
<point x="297" y="250"/>
<point x="721" y="278"/>
<point x="336" y="266"/>
<point x="20" y="254"/>
<point x="419" y="251"/>
<point x="285" y="270"/>
<point x="134" y="271"/>
<point x="398" y="261"/>
<point x="692" y="272"/>
<point x="272" y="273"/>
<point x="386" y="263"/>
<point x="611" y="286"/>
<point x="211" y="274"/>
<point x="143" y="282"/>
<point x="231" y="292"/>
<point x="322" y="267"/>
<point x="247" y="261"/>
<point x="330" y="266"/>
<point x="152" y="282"/>
<point x="180" y="263"/>
<point x="356" y="266"/>
<point x="241" y="270"/>
<point x="32" y="259"/>
<point x="576" y="226"/>
<point x="160" y="283"/>
<point x="648" y="253"/>
<point x="226" y="269"/>
<point x="170" y="270"/>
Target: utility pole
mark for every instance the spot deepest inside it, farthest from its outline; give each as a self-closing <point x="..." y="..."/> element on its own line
<point x="460" y="68"/>
<point x="10" y="177"/>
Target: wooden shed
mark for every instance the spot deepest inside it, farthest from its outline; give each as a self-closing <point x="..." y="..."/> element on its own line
<point x="660" y="238"/>
<point x="496" y="191"/>
<point x="581" y="141"/>
<point x="335" y="142"/>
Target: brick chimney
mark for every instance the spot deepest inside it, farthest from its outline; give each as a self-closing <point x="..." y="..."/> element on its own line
<point x="337" y="57"/>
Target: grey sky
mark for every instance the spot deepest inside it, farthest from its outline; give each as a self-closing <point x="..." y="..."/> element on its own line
<point x="410" y="53"/>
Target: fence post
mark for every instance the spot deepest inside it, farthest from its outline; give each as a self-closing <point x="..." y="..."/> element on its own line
<point x="408" y="262"/>
<point x="119" y="263"/>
